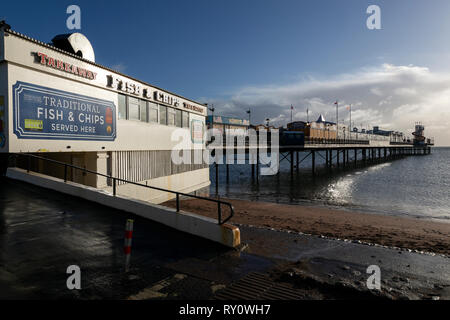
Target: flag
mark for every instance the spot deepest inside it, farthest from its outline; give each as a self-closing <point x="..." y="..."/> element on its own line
<point x="336" y="102"/>
<point x="349" y="107"/>
<point x="292" y="108"/>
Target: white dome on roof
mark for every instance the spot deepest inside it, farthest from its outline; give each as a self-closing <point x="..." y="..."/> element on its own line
<point x="75" y="43"/>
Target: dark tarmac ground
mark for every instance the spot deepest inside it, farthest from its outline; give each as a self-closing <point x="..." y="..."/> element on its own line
<point x="43" y="232"/>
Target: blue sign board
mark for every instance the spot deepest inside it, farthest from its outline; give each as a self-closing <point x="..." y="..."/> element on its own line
<point x="45" y="113"/>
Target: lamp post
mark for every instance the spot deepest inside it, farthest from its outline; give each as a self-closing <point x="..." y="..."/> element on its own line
<point x="337" y="119"/>
<point x="249" y="113"/>
<point x="267" y="122"/>
<point x="350" y="109"/>
<point x="212" y="112"/>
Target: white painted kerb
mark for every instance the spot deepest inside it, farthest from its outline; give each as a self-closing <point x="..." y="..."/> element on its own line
<point x="204" y="227"/>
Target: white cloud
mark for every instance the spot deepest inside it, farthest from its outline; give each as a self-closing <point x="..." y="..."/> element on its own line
<point x="393" y="97"/>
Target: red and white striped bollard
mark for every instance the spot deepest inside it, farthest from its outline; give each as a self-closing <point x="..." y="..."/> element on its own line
<point x="127" y="244"/>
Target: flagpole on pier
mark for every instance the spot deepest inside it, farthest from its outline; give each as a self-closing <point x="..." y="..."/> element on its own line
<point x="350" y="128"/>
<point x="337" y="119"/>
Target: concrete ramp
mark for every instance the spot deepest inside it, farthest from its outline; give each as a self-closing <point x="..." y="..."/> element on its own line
<point x="191" y="223"/>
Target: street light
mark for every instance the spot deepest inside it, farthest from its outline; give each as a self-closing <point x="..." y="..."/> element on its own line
<point x="267" y="120"/>
<point x="249" y="112"/>
<point x="211" y="109"/>
<point x="337" y="119"/>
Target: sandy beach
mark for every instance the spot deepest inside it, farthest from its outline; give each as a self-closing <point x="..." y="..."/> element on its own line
<point x="386" y="230"/>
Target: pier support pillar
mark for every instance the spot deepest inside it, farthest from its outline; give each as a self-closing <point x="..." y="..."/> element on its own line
<point x="292" y="162"/>
<point x="337" y="157"/>
<point x="356" y="157"/>
<point x="313" y="158"/>
<point x="298" y="164"/>
<point x="257" y="164"/>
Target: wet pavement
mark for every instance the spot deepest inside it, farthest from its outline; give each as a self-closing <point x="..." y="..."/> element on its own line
<point x="408" y="274"/>
<point x="43" y="232"/>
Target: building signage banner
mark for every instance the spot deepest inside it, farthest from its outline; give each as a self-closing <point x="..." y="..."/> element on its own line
<point x="230" y="121"/>
<point x="45" y="113"/>
<point x="197" y="131"/>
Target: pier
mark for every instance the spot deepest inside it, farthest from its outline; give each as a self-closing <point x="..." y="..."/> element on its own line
<point x="327" y="155"/>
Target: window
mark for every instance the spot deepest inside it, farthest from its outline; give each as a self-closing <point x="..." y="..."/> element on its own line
<point x="163" y="115"/>
<point x="185" y="119"/>
<point x="122" y="101"/>
<point x="178" y="118"/>
<point x="143" y="107"/>
<point x="152" y="112"/>
<point x="133" y="109"/>
<point x="171" y="117"/>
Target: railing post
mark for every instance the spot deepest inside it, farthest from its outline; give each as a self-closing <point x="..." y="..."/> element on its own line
<point x="65" y="173"/>
<point x="217" y="178"/>
<point x="219" y="212"/>
<point x="178" y="202"/>
<point x="114" y="186"/>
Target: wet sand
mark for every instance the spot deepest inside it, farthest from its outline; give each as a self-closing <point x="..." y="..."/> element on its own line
<point x="385" y="230"/>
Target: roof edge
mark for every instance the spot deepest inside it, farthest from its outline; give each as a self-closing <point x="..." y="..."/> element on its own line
<point x="48" y="46"/>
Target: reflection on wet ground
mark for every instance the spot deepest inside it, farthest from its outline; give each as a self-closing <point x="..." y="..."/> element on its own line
<point x="43" y="232"/>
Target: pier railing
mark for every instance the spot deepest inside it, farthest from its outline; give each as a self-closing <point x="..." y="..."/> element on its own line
<point x="115" y="180"/>
<point x="396" y="143"/>
<point x="310" y="140"/>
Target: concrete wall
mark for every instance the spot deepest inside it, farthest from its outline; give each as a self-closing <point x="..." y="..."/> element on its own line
<point x="204" y="227"/>
<point x="185" y="182"/>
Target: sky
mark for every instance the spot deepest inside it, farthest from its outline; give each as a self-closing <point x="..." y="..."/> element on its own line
<point x="268" y="55"/>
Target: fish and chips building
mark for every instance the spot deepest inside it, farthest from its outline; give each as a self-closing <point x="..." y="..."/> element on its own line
<point x="56" y="101"/>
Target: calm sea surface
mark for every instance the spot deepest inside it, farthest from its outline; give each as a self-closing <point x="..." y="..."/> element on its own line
<point x="416" y="186"/>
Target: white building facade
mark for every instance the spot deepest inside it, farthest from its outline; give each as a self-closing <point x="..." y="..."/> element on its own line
<point x="70" y="109"/>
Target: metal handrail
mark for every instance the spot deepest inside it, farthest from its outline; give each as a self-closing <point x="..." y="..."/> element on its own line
<point x="311" y="140"/>
<point x="115" y="180"/>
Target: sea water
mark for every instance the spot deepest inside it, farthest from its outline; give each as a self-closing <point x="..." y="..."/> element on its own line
<point x="415" y="186"/>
